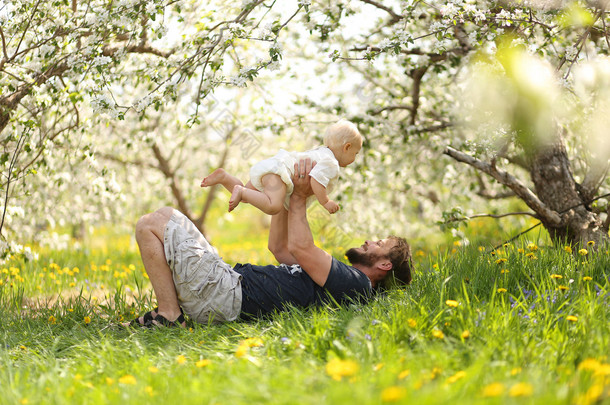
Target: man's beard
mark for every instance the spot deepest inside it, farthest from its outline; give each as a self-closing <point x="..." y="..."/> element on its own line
<point x="356" y="257"/>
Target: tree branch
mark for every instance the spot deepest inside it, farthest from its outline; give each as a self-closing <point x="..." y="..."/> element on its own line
<point x="417" y="75"/>
<point x="395" y="17"/>
<point x="531" y="214"/>
<point x="171" y="176"/>
<point x="139" y="48"/>
<point x="488" y="194"/>
<point x="593" y="180"/>
<point x="391" y="108"/>
<point x="511" y="182"/>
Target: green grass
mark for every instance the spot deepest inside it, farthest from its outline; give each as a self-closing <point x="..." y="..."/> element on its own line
<point x="472" y="328"/>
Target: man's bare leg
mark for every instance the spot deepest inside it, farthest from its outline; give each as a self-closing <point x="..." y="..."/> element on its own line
<point x="150" y="230"/>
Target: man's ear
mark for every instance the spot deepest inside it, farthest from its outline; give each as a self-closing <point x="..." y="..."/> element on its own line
<point x="384" y="265"/>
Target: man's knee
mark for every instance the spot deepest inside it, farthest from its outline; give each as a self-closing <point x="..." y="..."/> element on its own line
<point x="153" y="222"/>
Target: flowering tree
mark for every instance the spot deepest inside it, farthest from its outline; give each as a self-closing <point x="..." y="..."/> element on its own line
<point x="68" y="66"/>
<point x="116" y="100"/>
<point x="518" y="93"/>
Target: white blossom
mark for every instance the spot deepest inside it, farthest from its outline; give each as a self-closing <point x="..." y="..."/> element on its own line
<point x="46" y="49"/>
<point x="403" y="36"/>
<point x="274" y="65"/>
<point x="448" y="10"/>
<point x="265" y="32"/>
<point x="385" y="43"/>
<point x="437" y="26"/>
<point x="151" y="7"/>
<point x="101" y="60"/>
<point x="238" y="81"/>
<point x="276" y="46"/>
<point x="571" y="52"/>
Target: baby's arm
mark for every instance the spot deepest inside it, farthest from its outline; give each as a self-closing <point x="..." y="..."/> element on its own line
<point x="320" y="192"/>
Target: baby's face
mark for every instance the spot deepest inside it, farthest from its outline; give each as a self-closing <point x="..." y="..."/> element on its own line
<point x="348" y="154"/>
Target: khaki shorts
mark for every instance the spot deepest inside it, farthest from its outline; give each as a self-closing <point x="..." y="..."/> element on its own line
<point x="208" y="289"/>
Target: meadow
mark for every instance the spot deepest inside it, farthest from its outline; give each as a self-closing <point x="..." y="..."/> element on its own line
<point x="526" y="323"/>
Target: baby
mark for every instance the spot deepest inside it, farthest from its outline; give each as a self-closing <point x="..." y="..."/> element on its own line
<point x="270" y="184"/>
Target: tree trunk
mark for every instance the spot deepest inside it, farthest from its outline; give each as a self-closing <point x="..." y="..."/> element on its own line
<point x="555" y="186"/>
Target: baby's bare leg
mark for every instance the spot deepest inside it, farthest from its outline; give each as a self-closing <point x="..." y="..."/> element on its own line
<point x="220" y="176"/>
<point x="270" y="201"/>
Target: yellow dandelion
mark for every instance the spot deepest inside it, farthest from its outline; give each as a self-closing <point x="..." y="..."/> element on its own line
<point x="531" y="255"/>
<point x="521" y="390"/>
<point x="563" y="288"/>
<point x="378" y="367"/>
<point x="181" y="359"/>
<point x="515" y="371"/>
<point x="109" y="380"/>
<point x="568" y="249"/>
<point x="481" y="248"/>
<point x="583" y="252"/>
<point x="451" y="303"/>
<point x="456" y="377"/>
<point x="52" y="320"/>
<point x="411" y="322"/>
<point x="587" y="278"/>
<point x="520" y="250"/>
<point x="501" y="290"/>
<point x="572" y="318"/>
<point x="589" y="364"/>
<point x="393" y="394"/>
<point x="493" y="390"/>
<point x="404" y="374"/>
<point x="252" y="342"/>
<point x="532" y="247"/>
<point x="128" y="379"/>
<point x="465" y="334"/>
<point x="438" y="334"/>
<point x="338" y="368"/>
<point x="591" y="243"/>
<point x="24" y="401"/>
<point x="602" y="371"/>
<point x="153" y="369"/>
<point x="501" y="260"/>
<point x="556" y="276"/>
<point x="504" y="271"/>
<point x="241" y="351"/>
<point x="87" y="320"/>
<point x="203" y="363"/>
<point x="149" y="390"/>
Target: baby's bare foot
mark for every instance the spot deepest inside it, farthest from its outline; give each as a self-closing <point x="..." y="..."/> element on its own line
<point x="235" y="197"/>
<point x="216" y="177"/>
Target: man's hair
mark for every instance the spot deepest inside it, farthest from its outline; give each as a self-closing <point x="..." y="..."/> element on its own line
<point x="342" y="132"/>
<point x="400" y="257"/>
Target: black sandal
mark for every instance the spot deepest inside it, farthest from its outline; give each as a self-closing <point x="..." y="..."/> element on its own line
<point x="161" y="320"/>
<point x="147" y="319"/>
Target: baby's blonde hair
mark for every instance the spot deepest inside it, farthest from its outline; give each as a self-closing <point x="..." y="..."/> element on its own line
<point x="342" y="132"/>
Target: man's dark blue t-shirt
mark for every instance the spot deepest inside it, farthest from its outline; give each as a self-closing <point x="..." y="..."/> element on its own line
<point x="272" y="288"/>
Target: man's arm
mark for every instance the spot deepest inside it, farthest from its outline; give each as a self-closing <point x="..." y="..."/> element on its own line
<point x="278" y="238"/>
<point x="311" y="258"/>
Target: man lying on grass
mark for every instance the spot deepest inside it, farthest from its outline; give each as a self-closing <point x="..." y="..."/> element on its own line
<point x="188" y="275"/>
